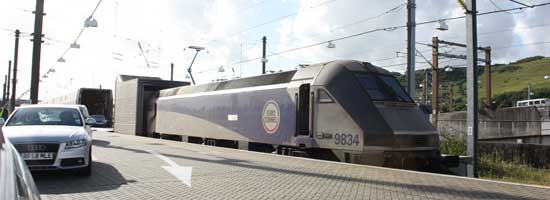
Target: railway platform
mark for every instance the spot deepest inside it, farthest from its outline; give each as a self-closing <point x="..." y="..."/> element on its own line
<point x="131" y="167"/>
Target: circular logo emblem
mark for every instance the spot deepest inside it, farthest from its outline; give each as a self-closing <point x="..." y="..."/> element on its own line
<point x="271" y="117"/>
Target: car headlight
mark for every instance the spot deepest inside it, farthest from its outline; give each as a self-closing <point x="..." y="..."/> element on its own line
<point x="71" y="144"/>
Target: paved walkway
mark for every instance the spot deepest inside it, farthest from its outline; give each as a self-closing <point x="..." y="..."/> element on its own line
<point x="130" y="167"/>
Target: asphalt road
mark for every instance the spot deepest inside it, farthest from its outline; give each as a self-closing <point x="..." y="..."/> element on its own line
<point x="130" y="167"/>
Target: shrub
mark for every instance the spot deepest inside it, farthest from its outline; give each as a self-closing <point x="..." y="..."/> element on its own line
<point x="453" y="144"/>
<point x="493" y="167"/>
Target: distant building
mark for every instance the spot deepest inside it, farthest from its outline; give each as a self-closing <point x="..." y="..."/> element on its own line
<point x="18" y="102"/>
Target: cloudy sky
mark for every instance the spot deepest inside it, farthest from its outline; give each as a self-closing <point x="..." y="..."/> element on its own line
<point x="231" y="32"/>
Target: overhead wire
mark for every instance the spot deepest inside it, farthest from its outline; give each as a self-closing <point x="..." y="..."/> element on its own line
<point x="55" y="40"/>
<point x="493" y="49"/>
<point x="391" y="28"/>
<point x="391" y="10"/>
<point x="95" y="9"/>
<point x="82" y="29"/>
<point x="241" y="10"/>
<point x="521" y="45"/>
<point x="364" y="20"/>
<point x="403" y="64"/>
<point x="493" y="32"/>
<point x="484" y="13"/>
<point x="68" y="48"/>
<point x="270" y="21"/>
<point x="520" y="3"/>
<point x="21" y="33"/>
<point x="499" y="8"/>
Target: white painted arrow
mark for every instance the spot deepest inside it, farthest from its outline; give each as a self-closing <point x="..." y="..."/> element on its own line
<point x="180" y="172"/>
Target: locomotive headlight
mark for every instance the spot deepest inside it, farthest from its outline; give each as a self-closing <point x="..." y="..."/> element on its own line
<point x="71" y="144"/>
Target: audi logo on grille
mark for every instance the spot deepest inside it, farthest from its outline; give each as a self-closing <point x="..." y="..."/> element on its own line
<point x="36" y="147"/>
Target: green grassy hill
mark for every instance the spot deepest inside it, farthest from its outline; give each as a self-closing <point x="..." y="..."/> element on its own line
<point x="509" y="82"/>
<point x="516" y="76"/>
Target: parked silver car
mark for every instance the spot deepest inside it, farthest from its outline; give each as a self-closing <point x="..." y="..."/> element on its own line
<point x="100" y="121"/>
<point x="51" y="137"/>
<point x="15" y="180"/>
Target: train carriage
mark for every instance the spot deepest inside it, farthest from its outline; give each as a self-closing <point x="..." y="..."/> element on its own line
<point x="343" y="110"/>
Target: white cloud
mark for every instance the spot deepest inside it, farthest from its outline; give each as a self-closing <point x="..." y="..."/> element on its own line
<point x="310" y="27"/>
<point x="533" y="27"/>
<point x="165" y="28"/>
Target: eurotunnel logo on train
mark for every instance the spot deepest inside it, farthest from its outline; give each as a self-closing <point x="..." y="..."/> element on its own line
<point x="271" y="117"/>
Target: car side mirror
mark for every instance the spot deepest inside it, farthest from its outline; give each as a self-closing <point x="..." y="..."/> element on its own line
<point x="2" y="121"/>
<point x="90" y="121"/>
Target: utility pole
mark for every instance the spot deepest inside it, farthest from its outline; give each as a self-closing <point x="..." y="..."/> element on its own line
<point x="4" y="100"/>
<point x="264" y="59"/>
<point x="13" y="88"/>
<point x="37" y="45"/>
<point x="8" y="82"/>
<point x="487" y="72"/>
<point x="451" y="98"/>
<point x="471" y="83"/>
<point x="435" y="80"/>
<point x="487" y="66"/>
<point x="15" y="63"/>
<point x="411" y="49"/>
<point x="425" y="89"/>
<point x="528" y="91"/>
<point x="172" y="72"/>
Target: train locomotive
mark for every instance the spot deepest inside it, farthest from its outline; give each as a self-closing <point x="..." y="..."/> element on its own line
<point x="342" y="110"/>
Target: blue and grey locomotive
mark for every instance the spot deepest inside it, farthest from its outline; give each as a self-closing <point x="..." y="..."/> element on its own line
<point x="342" y="110"/>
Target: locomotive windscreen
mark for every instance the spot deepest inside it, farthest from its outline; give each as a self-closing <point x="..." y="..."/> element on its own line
<point x="382" y="87"/>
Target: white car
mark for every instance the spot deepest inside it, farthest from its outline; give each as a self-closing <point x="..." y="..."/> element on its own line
<point x="16" y="181"/>
<point x="51" y="137"/>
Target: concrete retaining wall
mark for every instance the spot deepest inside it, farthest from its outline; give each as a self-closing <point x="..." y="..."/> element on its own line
<point x="504" y="123"/>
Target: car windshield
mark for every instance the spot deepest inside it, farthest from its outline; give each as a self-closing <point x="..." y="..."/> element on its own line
<point x="383" y="87"/>
<point x="45" y="116"/>
<point x="98" y="117"/>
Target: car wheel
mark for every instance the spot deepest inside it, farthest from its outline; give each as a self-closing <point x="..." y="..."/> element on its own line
<point x="86" y="171"/>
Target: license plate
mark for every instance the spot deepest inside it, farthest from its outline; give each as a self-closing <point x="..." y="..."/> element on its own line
<point x="37" y="156"/>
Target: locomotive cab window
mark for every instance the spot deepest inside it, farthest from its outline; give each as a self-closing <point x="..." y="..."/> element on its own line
<point x="323" y="97"/>
<point x="382" y="87"/>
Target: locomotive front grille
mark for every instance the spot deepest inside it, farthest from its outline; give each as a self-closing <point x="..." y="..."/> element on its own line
<point x="421" y="141"/>
<point x="413" y="140"/>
